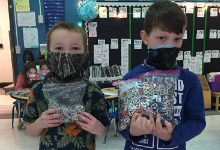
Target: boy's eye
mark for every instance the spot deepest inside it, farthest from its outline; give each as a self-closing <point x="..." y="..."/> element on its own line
<point x="75" y="48"/>
<point x="58" y="48"/>
<point x="161" y="38"/>
<point x="177" y="39"/>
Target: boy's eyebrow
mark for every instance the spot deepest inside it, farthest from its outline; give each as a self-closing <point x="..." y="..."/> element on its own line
<point x="62" y="43"/>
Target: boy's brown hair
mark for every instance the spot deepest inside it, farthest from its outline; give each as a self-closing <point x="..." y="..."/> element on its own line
<point x="165" y="15"/>
<point x="68" y="26"/>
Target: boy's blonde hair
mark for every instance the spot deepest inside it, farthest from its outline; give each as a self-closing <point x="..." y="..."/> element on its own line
<point x="165" y="15"/>
<point x="68" y="26"/>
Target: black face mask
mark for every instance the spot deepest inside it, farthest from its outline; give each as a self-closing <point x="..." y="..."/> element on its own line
<point x="66" y="67"/>
<point x="163" y="58"/>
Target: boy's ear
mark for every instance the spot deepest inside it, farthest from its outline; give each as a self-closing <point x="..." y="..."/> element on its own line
<point x="144" y="37"/>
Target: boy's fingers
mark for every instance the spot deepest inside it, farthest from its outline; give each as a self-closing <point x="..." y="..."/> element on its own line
<point x="83" y="125"/>
<point x="151" y="118"/>
<point x="89" y="116"/>
<point x="158" y="122"/>
<point x="134" y="117"/>
<point x="84" y="118"/>
<point x="50" y="111"/>
<point x="168" y="126"/>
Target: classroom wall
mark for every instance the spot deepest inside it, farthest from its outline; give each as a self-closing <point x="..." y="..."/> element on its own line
<point x="70" y="16"/>
<point x="6" y="74"/>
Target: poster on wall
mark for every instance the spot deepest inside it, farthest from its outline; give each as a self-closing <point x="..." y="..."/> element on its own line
<point x="124" y="59"/>
<point x="105" y="55"/>
<point x="213" y="12"/>
<point x="122" y="12"/>
<point x="97" y="54"/>
<point x="102" y="12"/>
<point x="22" y="5"/>
<point x="26" y="19"/>
<point x="30" y="36"/>
<point x="112" y="12"/>
<point x="144" y="10"/>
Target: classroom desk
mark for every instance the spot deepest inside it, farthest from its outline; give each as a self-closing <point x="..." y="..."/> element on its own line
<point x="19" y="98"/>
<point x="217" y="96"/>
<point x="113" y="98"/>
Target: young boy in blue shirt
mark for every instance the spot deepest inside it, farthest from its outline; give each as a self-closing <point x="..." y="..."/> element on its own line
<point x="164" y="26"/>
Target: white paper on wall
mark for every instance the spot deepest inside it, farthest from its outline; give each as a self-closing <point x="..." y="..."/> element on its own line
<point x="125" y="41"/>
<point x="213" y="34"/>
<point x="198" y="66"/>
<point x="112" y="12"/>
<point x="101" y="41"/>
<point x="122" y="12"/>
<point x="213" y="12"/>
<point x="199" y="55"/>
<point x="144" y="10"/>
<point x="92" y="24"/>
<point x="92" y="29"/>
<point x="187" y="55"/>
<point x="124" y="59"/>
<point x="199" y="71"/>
<point x="138" y="46"/>
<point x="200" y="34"/>
<point x="105" y="55"/>
<point x="198" y="61"/>
<point x="192" y="65"/>
<point x="200" y="12"/>
<point x="136" y="12"/>
<point x="102" y="12"/>
<point x="185" y="35"/>
<point x="114" y="46"/>
<point x="186" y="63"/>
<point x="30" y="36"/>
<point x="219" y="33"/>
<point x="97" y="59"/>
<point x="207" y="57"/>
<point x="97" y="54"/>
<point x="26" y="19"/>
<point x="92" y="32"/>
<point x="114" y="43"/>
<point x="97" y="49"/>
<point x="200" y="4"/>
<point x="208" y="52"/>
<point x="189" y="10"/>
<point x="180" y="55"/>
<point x="215" y="53"/>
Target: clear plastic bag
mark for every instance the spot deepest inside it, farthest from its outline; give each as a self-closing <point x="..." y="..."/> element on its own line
<point x="150" y="92"/>
<point x="66" y="98"/>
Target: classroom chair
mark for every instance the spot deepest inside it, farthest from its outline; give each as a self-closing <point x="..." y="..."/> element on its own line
<point x="15" y="103"/>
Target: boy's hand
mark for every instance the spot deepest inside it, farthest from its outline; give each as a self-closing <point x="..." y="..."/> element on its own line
<point x="140" y="125"/>
<point x="92" y="125"/>
<point x="49" y="118"/>
<point x="163" y="133"/>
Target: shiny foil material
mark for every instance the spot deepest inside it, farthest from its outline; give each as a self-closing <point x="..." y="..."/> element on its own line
<point x="149" y="93"/>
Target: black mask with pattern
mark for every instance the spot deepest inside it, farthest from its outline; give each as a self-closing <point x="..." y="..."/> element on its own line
<point x="163" y="58"/>
<point x="66" y="67"/>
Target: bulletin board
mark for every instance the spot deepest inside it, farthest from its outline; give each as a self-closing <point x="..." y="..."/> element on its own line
<point x="130" y="27"/>
<point x="212" y="44"/>
<point x="107" y="29"/>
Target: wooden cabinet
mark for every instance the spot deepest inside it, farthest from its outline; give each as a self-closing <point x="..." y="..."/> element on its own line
<point x="206" y="91"/>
